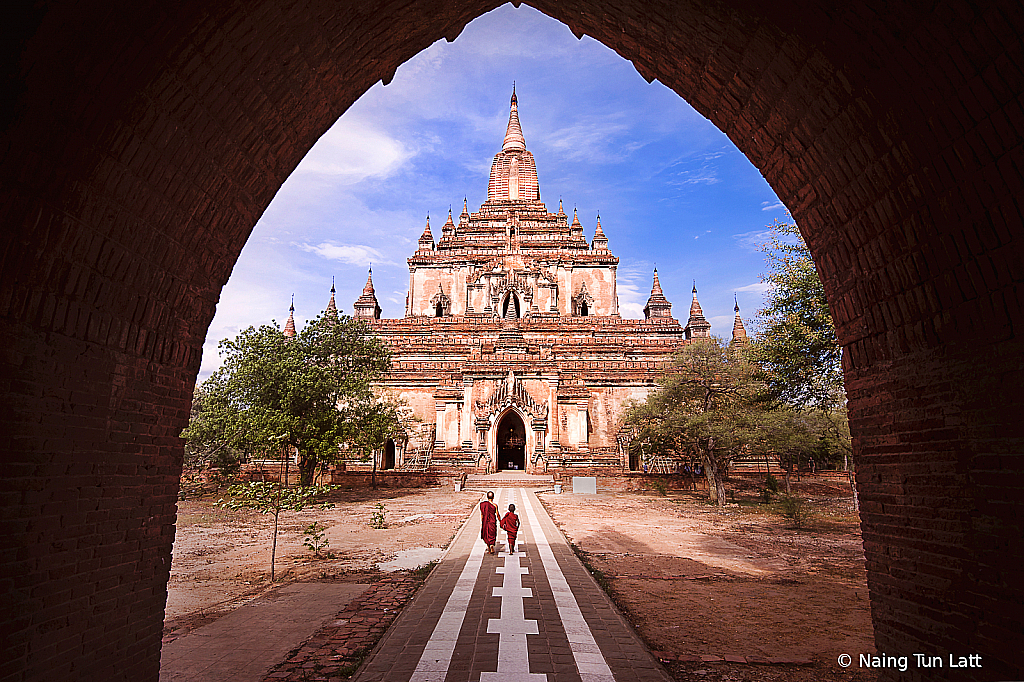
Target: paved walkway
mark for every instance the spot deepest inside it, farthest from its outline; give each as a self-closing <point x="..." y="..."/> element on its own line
<point x="243" y="645"/>
<point x="532" y="616"/>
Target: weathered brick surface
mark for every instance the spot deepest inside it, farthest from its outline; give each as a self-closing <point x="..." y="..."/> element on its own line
<point x="140" y="142"/>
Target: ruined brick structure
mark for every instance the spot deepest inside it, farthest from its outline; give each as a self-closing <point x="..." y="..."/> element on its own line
<point x="139" y="144"/>
<point x="512" y="348"/>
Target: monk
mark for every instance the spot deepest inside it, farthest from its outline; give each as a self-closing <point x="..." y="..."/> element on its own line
<point x="510" y="524"/>
<point x="489" y="522"/>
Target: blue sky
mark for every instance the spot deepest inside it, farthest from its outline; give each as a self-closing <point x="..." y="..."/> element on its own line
<point x="671" y="188"/>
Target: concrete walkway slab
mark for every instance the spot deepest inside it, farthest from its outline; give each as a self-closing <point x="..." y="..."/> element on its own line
<point x="243" y="645"/>
<point x="536" y="615"/>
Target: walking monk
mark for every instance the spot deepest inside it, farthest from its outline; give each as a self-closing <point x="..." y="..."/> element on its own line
<point x="510" y="524"/>
<point x="489" y="522"/>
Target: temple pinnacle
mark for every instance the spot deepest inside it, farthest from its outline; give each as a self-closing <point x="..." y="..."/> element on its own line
<point x="514" y="140"/>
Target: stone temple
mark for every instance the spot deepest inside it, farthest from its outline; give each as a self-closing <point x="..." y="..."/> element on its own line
<point x="512" y="352"/>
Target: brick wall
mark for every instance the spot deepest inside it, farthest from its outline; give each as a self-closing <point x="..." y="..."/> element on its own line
<point x="139" y="143"/>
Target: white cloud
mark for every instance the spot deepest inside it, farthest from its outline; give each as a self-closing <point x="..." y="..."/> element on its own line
<point x="752" y="241"/>
<point x="721" y="325"/>
<point x="704" y="175"/>
<point x="346" y="253"/>
<point x="354" y="150"/>
<point x="771" y="206"/>
<point x="589" y="138"/>
<point x="755" y="288"/>
<point x="632" y="293"/>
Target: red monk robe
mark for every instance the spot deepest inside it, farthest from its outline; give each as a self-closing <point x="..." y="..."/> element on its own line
<point x="510" y="524"/>
<point x="489" y="525"/>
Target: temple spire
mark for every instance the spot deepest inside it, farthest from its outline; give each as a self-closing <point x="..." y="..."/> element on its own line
<point x="426" y="241"/>
<point x="697" y="327"/>
<point x="332" y="309"/>
<point x="366" y="305"/>
<point x="600" y="241"/>
<point x="739" y="332"/>
<point x="657" y="304"/>
<point x="448" y="229"/>
<point x="514" y="140"/>
<point x="289" y="326"/>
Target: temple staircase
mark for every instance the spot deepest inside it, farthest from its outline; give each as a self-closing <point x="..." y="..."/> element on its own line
<point x="510" y="479"/>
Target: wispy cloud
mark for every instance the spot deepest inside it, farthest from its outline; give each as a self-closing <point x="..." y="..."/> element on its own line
<point x="354" y="150"/>
<point x="755" y="288"/>
<point x="589" y="138"/>
<point x="752" y="241"/>
<point x="772" y="206"/>
<point x="353" y="254"/>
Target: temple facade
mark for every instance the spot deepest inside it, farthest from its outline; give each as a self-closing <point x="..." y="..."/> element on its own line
<point x="512" y="352"/>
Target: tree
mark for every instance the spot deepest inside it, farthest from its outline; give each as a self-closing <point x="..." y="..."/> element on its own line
<point x="797" y="350"/>
<point x="302" y="392"/>
<point x="797" y="347"/>
<point x="378" y="420"/>
<point x="273" y="498"/>
<point x="707" y="408"/>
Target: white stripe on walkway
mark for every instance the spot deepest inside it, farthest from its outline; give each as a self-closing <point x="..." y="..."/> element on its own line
<point x="512" y="626"/>
<point x="437" y="656"/>
<point x="589" y="660"/>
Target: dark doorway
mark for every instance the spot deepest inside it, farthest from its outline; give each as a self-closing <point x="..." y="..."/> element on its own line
<point x="389" y="454"/>
<point x="511" y="443"/>
<point x="584" y="311"/>
<point x="511" y="309"/>
<point x="439" y="310"/>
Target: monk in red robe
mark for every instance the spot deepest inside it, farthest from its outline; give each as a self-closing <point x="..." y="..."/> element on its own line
<point x="489" y="522"/>
<point x="510" y="524"/>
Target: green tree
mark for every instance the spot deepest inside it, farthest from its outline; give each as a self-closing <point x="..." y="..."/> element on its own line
<point x="796" y="350"/>
<point x="303" y="392"/>
<point x="706" y="408"/>
<point x="797" y="347"/>
<point x="273" y="498"/>
<point x="379" y="418"/>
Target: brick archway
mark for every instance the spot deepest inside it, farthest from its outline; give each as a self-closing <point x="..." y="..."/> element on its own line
<point x="139" y="147"/>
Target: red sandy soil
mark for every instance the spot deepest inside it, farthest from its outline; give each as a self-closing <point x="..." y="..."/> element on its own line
<point x="697" y="580"/>
<point x="693" y="579"/>
<point x="221" y="557"/>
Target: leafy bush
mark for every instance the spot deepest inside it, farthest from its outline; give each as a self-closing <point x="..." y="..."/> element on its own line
<point x="316" y="538"/>
<point x="770" y="490"/>
<point x="793" y="509"/>
<point x="378" y="517"/>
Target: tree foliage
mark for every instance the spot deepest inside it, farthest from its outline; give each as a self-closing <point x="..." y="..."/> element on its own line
<point x="306" y="392"/>
<point x="707" y="408"/>
<point x="797" y="347"/>
<point x="377" y="420"/>
<point x="797" y="350"/>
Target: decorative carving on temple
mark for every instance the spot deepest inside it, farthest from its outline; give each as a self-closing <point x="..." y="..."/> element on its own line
<point x="440" y="303"/>
<point x="582" y="302"/>
<point x="510" y="391"/>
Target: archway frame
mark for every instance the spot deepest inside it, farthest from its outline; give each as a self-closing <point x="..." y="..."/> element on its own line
<point x="530" y="445"/>
<point x="141" y="147"/>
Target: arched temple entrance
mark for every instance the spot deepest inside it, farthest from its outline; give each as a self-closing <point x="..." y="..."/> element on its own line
<point x="510" y="309"/>
<point x="389" y="455"/>
<point x="510" y="442"/>
<point x="140" y="146"/>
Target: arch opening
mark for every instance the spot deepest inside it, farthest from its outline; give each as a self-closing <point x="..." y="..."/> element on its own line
<point x="842" y="145"/>
<point x="511" y="442"/>
<point x="389" y="455"/>
<point x="510" y="309"/>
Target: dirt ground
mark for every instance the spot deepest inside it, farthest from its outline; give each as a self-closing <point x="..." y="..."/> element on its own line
<point x="696" y="580"/>
<point x="221" y="558"/>
<point x="693" y="579"/>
